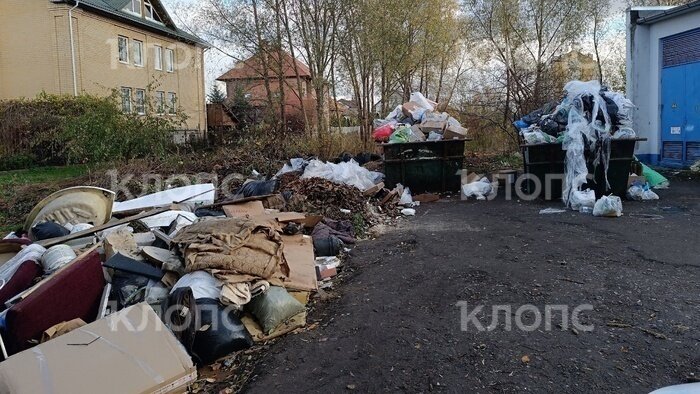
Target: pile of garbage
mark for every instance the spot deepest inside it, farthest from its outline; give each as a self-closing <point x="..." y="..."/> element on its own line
<point x="585" y="122"/>
<point x="418" y="120"/>
<point x="606" y="113"/>
<point x="197" y="279"/>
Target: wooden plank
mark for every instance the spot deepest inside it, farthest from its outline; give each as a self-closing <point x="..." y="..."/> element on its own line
<point x="47" y="243"/>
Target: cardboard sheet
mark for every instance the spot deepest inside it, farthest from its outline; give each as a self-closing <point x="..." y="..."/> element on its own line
<point x="249" y="209"/>
<point x="299" y="253"/>
<point x="130" y="351"/>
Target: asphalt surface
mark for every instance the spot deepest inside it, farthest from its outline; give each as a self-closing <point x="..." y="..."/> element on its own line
<point x="394" y="324"/>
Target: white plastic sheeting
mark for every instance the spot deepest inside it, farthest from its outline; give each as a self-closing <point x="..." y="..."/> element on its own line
<point x="348" y="173"/>
<point x="195" y="195"/>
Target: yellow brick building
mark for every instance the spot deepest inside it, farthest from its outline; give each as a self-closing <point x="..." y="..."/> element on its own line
<point x="131" y="46"/>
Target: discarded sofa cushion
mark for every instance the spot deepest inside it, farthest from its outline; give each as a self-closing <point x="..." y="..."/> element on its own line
<point x="220" y="332"/>
<point x="75" y="292"/>
<point x="243" y="249"/>
<point x="48" y="230"/>
<point x="273" y="308"/>
<point x="21" y="280"/>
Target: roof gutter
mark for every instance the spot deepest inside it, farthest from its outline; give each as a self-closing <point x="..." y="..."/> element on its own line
<point x="72" y="47"/>
<point x="680" y="10"/>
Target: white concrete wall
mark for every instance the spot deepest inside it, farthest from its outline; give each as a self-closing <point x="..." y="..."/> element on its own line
<point x="644" y="76"/>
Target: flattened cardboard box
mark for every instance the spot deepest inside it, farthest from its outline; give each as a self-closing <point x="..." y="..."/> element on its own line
<point x="130" y="351"/>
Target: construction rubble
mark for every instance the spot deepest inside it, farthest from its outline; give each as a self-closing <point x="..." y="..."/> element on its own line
<point x="154" y="287"/>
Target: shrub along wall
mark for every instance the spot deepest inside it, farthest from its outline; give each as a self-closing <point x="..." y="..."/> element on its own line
<point x="58" y="130"/>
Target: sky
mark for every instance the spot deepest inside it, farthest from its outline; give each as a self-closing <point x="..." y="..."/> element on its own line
<point x="217" y="63"/>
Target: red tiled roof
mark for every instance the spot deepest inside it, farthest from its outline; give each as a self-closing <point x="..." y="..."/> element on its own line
<point x="253" y="67"/>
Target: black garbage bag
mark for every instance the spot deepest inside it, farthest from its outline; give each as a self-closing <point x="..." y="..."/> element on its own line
<point x="613" y="111"/>
<point x="327" y="246"/>
<point x="128" y="288"/>
<point x="533" y="117"/>
<point x="549" y="126"/>
<point x="366" y="157"/>
<point x="220" y="332"/>
<point x="47" y="230"/>
<point x="257" y="188"/>
<point x="203" y="212"/>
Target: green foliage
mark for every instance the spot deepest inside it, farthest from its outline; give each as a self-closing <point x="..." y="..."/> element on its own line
<point x="54" y="130"/>
<point x="216" y="96"/>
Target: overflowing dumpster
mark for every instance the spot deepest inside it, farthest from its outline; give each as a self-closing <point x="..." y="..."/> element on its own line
<point x="544" y="164"/>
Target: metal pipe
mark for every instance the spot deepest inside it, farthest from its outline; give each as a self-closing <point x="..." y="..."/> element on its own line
<point x="72" y="47"/>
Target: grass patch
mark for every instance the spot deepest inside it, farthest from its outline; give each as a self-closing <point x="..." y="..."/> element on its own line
<point x="39" y="175"/>
<point x="17" y="182"/>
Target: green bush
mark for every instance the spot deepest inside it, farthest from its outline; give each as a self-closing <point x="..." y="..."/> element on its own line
<point x="56" y="130"/>
<point x="16" y="161"/>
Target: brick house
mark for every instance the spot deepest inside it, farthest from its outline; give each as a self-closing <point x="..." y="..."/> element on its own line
<point x="94" y="46"/>
<point x="248" y="75"/>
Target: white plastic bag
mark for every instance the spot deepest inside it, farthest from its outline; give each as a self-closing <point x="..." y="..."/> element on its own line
<point x="608" y="206"/>
<point x="406" y="198"/>
<point x="582" y="198"/>
<point x="433" y="136"/>
<point x="418" y="98"/>
<point x="641" y="193"/>
<point x="479" y="189"/>
<point x="296" y="164"/>
<point x="396" y="114"/>
<point x="408" y="212"/>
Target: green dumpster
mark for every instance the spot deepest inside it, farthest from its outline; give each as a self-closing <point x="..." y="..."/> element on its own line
<point x="427" y="166"/>
<point x="546" y="163"/>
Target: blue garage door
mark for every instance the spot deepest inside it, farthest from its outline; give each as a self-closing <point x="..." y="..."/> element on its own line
<point x="680" y="99"/>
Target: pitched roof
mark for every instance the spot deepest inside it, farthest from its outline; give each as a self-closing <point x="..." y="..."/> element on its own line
<point x="114" y="10"/>
<point x="666" y="13"/>
<point x="253" y="67"/>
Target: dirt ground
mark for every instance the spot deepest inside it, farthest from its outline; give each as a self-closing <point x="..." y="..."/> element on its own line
<point x="395" y="326"/>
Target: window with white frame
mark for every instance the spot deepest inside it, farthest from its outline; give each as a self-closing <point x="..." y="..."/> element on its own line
<point x="126" y="100"/>
<point x="169" y="60"/>
<point x="172" y="102"/>
<point x="123" y="47"/>
<point x="138" y="53"/>
<point x="160" y="102"/>
<point x="158" y="57"/>
<point x="134" y="6"/>
<point x="150" y="11"/>
<point x="140" y="99"/>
